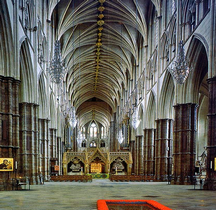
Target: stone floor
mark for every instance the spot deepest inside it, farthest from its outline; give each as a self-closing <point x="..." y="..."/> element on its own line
<point x="83" y="196"/>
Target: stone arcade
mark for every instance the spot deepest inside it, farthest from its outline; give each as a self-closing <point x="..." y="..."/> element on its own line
<point x="91" y="87"/>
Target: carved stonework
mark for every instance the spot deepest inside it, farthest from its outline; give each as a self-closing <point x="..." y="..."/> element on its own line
<point x="96" y="155"/>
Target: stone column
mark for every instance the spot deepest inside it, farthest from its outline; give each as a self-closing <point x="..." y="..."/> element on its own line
<point x="59" y="154"/>
<point x="149" y="152"/>
<point x="32" y="147"/>
<point x="10" y="117"/>
<point x="163" y="149"/>
<point x="140" y="155"/>
<point x="44" y="147"/>
<point x="16" y="126"/>
<point x="36" y="145"/>
<point x="9" y="126"/>
<point x="184" y="143"/>
<point x="23" y="165"/>
<point x="74" y="148"/>
<point x="40" y="146"/>
<point x="132" y="150"/>
<point x="136" y="156"/>
<point x="29" y="141"/>
<point x="112" y="137"/>
<point x="53" y="144"/>
<point x="210" y="182"/>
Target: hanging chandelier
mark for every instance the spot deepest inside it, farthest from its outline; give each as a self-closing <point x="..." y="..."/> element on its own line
<point x="120" y="137"/>
<point x="72" y="117"/>
<point x="181" y="69"/>
<point x="57" y="68"/>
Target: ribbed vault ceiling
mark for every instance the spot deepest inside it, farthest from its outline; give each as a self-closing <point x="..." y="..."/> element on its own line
<point x="98" y="72"/>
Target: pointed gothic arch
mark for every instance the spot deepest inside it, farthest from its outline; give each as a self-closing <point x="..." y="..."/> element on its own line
<point x="6" y="45"/>
<point x="198" y="56"/>
<point x="28" y="90"/>
<point x="166" y="98"/>
<point x="151" y="111"/>
<point x="42" y="97"/>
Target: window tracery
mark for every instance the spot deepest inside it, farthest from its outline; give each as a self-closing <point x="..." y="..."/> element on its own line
<point x="192" y="14"/>
<point x="93" y="144"/>
<point x="93" y="130"/>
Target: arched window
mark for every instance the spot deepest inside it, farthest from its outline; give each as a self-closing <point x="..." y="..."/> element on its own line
<point x="93" y="144"/>
<point x="84" y="132"/>
<point x="102" y="132"/>
<point x="84" y="143"/>
<point x="93" y="130"/>
<point x="102" y="144"/>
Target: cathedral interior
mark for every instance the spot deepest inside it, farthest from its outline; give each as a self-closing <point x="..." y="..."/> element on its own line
<point x="108" y="89"/>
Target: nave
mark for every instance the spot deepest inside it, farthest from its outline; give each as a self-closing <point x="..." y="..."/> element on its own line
<point x="84" y="196"/>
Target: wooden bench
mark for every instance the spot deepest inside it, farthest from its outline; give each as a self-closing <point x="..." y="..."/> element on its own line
<point x="72" y="178"/>
<point x="131" y="178"/>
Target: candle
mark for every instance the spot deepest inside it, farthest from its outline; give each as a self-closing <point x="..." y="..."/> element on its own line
<point x="15" y="164"/>
<point x="210" y="164"/>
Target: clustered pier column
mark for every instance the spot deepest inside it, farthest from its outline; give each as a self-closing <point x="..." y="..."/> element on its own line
<point x="28" y="164"/>
<point x="184" y="143"/>
<point x="163" y="149"/>
<point x="53" y="150"/>
<point x="44" y="147"/>
<point x="149" y="150"/>
<point x="113" y="141"/>
<point x="210" y="182"/>
<point x="138" y="155"/>
<point x="59" y="154"/>
<point x="9" y="127"/>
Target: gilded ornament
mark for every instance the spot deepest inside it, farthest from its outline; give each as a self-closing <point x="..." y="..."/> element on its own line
<point x="100" y="29"/>
<point x="99" y="40"/>
<point x="97" y="53"/>
<point x="101" y="1"/>
<point x="100" y="22"/>
<point x="99" y="34"/>
<point x="101" y="16"/>
<point x="101" y="9"/>
<point x="97" y="60"/>
<point x="99" y="44"/>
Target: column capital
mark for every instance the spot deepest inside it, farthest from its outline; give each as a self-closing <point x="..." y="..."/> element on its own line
<point x="54" y="129"/>
<point x="211" y="80"/>
<point x="148" y="129"/>
<point x="186" y="104"/>
<point x="164" y="119"/>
